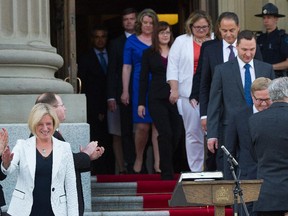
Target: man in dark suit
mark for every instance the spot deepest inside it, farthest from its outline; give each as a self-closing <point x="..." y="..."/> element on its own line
<point x="92" y="70"/>
<point x="269" y="134"/>
<point x="81" y="159"/>
<point x="114" y="90"/>
<point x="238" y="139"/>
<point x="227" y="95"/>
<point x="213" y="53"/>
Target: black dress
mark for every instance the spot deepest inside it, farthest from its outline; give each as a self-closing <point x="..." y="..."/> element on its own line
<point x="42" y="190"/>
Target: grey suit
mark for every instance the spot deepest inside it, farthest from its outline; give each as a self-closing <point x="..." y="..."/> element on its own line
<point x="269" y="134"/>
<point x="238" y="143"/>
<point x="227" y="97"/>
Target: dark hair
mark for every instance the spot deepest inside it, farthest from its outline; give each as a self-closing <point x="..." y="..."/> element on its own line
<point x="162" y="25"/>
<point x="48" y="98"/>
<point x="129" y="11"/>
<point x="245" y="34"/>
<point x="99" y="28"/>
<point x="227" y="15"/>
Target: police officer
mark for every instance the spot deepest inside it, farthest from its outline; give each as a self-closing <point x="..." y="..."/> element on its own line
<point x="274" y="43"/>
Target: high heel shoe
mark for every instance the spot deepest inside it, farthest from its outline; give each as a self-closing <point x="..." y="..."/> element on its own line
<point x="157" y="172"/>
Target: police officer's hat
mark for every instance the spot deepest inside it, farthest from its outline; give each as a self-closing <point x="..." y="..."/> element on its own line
<point x="269" y="9"/>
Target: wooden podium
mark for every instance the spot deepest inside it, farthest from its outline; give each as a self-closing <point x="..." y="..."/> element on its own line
<point x="219" y="193"/>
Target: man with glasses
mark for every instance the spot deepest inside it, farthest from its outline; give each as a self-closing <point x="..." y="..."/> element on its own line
<point x="238" y="139"/>
<point x="269" y="135"/>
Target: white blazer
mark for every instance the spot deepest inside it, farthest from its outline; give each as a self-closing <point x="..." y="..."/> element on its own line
<point x="63" y="186"/>
<point x="181" y="64"/>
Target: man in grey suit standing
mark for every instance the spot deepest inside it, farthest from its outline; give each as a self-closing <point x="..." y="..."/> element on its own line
<point x="269" y="133"/>
<point x="230" y="89"/>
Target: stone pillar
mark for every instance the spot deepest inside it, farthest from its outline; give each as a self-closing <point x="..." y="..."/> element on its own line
<point x="27" y="66"/>
<point x="27" y="59"/>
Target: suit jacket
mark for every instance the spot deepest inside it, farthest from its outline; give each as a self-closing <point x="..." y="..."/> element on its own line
<point x="269" y="133"/>
<point x="114" y="72"/>
<point x="2" y="177"/>
<point x="227" y="93"/>
<point x="181" y="64"/>
<point x="63" y="185"/>
<point x="197" y="76"/>
<point x="82" y="164"/>
<point x="159" y="88"/>
<point x="238" y="143"/>
<point x="93" y="84"/>
<point x="212" y="56"/>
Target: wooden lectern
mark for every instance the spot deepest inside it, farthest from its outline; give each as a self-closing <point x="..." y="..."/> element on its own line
<point x="219" y="193"/>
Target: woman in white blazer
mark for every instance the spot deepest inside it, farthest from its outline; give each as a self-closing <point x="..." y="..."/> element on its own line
<point x="46" y="183"/>
<point x="182" y="64"/>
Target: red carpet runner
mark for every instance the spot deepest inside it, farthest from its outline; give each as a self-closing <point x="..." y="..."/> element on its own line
<point x="156" y="194"/>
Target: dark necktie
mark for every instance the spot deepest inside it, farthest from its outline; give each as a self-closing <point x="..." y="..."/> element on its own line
<point x="103" y="62"/>
<point x="231" y="54"/>
<point x="247" y="85"/>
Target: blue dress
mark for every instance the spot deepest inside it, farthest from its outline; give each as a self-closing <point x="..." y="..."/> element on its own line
<point x="133" y="51"/>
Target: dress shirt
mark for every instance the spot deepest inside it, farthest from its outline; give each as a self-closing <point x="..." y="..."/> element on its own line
<point x="127" y="34"/>
<point x="104" y="54"/>
<point x="242" y="70"/>
<point x="226" y="50"/>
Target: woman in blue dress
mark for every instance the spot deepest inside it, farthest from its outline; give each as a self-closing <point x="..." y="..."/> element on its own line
<point x="135" y="44"/>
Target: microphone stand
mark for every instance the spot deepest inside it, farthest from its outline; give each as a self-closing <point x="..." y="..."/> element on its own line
<point x="237" y="191"/>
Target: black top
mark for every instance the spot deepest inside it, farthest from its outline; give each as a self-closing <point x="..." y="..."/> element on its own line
<point x="42" y="189"/>
<point x="153" y="64"/>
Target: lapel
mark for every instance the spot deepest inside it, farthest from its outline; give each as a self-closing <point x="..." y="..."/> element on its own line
<point x="236" y="68"/>
<point x="30" y="155"/>
<point x="57" y="156"/>
<point x="258" y="70"/>
<point x="219" y="51"/>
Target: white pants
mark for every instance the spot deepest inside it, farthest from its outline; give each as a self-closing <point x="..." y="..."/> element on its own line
<point x="194" y="134"/>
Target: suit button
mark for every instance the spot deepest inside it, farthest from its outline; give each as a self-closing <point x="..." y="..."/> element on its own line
<point x="53" y="189"/>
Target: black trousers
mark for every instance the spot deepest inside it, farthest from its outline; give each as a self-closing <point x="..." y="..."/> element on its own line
<point x="127" y="136"/>
<point x="168" y="122"/>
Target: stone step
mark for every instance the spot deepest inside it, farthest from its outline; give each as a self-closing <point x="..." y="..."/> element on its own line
<point x="128" y="213"/>
<point x="117" y="203"/>
<point x="119" y="188"/>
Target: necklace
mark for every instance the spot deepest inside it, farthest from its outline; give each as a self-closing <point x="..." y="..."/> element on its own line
<point x="200" y="41"/>
<point x="44" y="151"/>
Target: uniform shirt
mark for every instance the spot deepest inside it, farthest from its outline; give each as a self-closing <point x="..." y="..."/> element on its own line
<point x="273" y="46"/>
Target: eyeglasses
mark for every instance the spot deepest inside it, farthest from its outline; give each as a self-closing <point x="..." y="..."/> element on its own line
<point x="164" y="33"/>
<point x="260" y="100"/>
<point x="198" y="28"/>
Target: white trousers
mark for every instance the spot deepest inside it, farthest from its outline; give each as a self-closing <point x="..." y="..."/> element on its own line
<point x="194" y="134"/>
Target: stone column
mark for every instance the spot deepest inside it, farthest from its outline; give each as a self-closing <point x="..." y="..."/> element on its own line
<point x="27" y="59"/>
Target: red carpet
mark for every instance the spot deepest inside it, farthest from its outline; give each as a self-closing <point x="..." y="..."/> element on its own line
<point x="130" y="178"/>
<point x="198" y="211"/>
<point x="156" y="194"/>
<point x="156" y="201"/>
<point x="155" y="186"/>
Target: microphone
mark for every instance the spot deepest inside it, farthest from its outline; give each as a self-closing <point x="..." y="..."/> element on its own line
<point x="229" y="155"/>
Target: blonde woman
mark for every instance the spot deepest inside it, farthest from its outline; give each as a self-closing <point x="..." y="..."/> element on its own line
<point x="46" y="183"/>
<point x="146" y="22"/>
